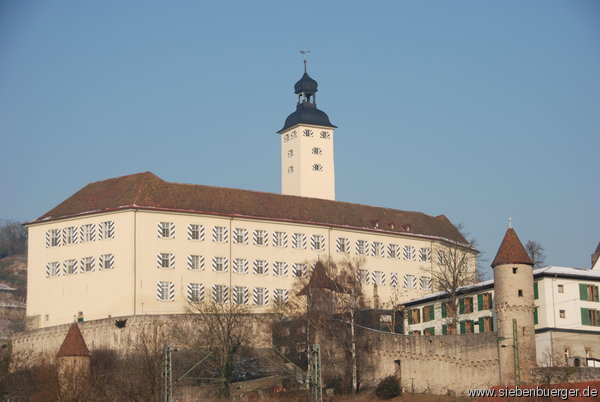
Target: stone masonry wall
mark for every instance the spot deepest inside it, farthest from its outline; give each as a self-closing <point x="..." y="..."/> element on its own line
<point x="430" y="364"/>
<point x="105" y="334"/>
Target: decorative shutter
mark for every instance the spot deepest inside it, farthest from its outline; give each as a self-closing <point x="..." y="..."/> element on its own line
<point x="445" y="329"/>
<point x="394" y="279"/>
<point x="49" y="270"/>
<point x="583" y="293"/>
<point x="585" y="314"/>
<point x="410" y="316"/>
<point x="432" y="331"/>
<point x="535" y="290"/>
<point x="535" y="315"/>
<point x="491" y="324"/>
<point x="463" y="327"/>
<point x="480" y="302"/>
<point x="171" y="291"/>
<point x="171" y="260"/>
<point x="481" y="324"/>
<point x="418" y="316"/>
<point x="47" y="239"/>
<point x="595" y="293"/>
<point x="444" y="309"/>
<point x="431" y="313"/>
<point x="461" y="306"/>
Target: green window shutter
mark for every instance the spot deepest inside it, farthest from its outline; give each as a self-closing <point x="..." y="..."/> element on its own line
<point x="431" y="313"/>
<point x="410" y="316"/>
<point x="583" y="293"/>
<point x="491" y="323"/>
<point x="597" y="317"/>
<point x="585" y="315"/>
<point x="480" y="302"/>
<point x="444" y="310"/>
<point x="535" y="315"/>
<point x="595" y="293"/>
<point x="463" y="327"/>
<point x="535" y="290"/>
<point x="432" y="329"/>
<point x="418" y="316"/>
<point x="481" y="325"/>
<point x="461" y="306"/>
<point x="445" y="329"/>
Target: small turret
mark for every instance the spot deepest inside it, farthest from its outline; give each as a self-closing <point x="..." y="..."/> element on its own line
<point x="513" y="290"/>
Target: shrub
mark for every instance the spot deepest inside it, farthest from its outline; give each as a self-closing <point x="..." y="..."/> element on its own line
<point x="388" y="388"/>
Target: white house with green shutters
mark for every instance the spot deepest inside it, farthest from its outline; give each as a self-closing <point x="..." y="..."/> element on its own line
<point x="566" y="314"/>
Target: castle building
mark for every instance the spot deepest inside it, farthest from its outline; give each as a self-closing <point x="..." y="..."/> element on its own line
<point x="565" y="315"/>
<point x="137" y="244"/>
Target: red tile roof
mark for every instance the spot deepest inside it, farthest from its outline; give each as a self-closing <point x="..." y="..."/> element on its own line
<point x="74" y="344"/>
<point x="511" y="251"/>
<point x="148" y="191"/>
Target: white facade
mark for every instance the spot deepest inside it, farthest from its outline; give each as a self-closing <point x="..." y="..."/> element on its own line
<point x="307" y="167"/>
<point x="154" y="262"/>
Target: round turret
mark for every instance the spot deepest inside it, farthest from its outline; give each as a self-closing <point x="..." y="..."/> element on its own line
<point x="513" y="293"/>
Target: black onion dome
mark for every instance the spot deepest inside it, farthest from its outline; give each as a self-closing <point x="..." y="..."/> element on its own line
<point x="306" y="85"/>
<point x="307" y="113"/>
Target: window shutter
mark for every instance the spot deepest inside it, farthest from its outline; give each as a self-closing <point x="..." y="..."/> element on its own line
<point x="597" y="312"/>
<point x="535" y="290"/>
<point x="445" y="329"/>
<point x="444" y="310"/>
<point x="432" y="331"/>
<point x="418" y="316"/>
<point x="410" y="318"/>
<point x="491" y="323"/>
<point x="583" y="293"/>
<point x="480" y="302"/>
<point x="461" y="306"/>
<point x="596" y="293"/>
<point x="481" y="325"/>
<point x="585" y="314"/>
<point x="463" y="327"/>
<point x="535" y="315"/>
<point x="431" y="313"/>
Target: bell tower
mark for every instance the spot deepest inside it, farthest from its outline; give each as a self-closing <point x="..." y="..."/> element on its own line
<point x="307" y="166"/>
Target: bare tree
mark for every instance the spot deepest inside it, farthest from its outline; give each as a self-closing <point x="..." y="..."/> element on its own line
<point x="13" y="238"/>
<point x="536" y="253"/>
<point x="220" y="329"/>
<point x="327" y="303"/>
<point x="453" y="267"/>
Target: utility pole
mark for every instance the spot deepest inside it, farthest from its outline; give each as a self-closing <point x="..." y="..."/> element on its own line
<point x="316" y="392"/>
<point x="516" y="360"/>
<point x="167" y="375"/>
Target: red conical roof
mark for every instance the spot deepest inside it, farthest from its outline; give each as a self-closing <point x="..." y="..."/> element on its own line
<point x="511" y="251"/>
<point x="74" y="344"/>
<point x="320" y="280"/>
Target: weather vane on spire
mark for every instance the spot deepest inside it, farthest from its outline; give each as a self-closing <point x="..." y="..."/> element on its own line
<point x="304" y="52"/>
<point x="510" y="221"/>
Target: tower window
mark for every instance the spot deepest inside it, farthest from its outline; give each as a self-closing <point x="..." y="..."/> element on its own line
<point x="520" y="292"/>
<point x="561" y="289"/>
<point x="317" y="151"/>
<point x="325" y="134"/>
<point x="290" y="153"/>
<point x="307" y="133"/>
<point x="286" y="138"/>
<point x="317" y="167"/>
<point x="562" y="313"/>
<point x="291" y="169"/>
<point x="515" y="269"/>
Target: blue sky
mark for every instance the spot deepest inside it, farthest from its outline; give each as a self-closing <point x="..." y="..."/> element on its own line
<point x="477" y="110"/>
